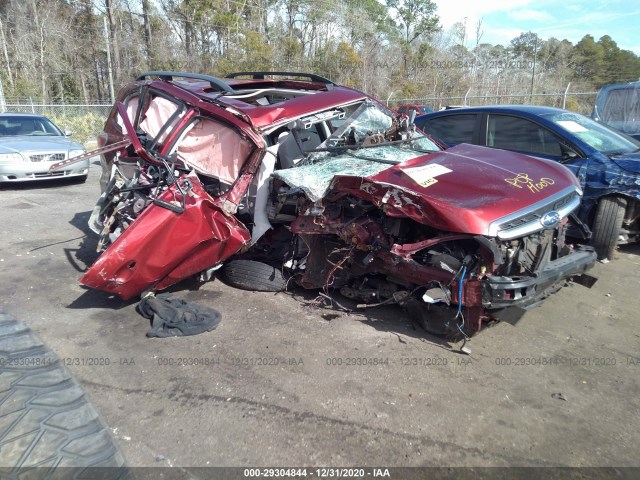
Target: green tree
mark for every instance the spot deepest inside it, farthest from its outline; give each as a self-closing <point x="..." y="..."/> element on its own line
<point x="589" y="63"/>
<point x="415" y="18"/>
<point x="525" y="46"/>
<point x="619" y="65"/>
<point x="416" y="21"/>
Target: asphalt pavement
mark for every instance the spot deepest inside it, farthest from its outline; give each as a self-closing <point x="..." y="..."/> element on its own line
<point x="285" y="382"/>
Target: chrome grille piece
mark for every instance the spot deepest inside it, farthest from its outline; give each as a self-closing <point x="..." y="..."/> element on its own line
<point x="47" y="157"/>
<point x="527" y="221"/>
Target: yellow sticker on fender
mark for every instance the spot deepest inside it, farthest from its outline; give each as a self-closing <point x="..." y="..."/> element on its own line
<point x="428" y="182"/>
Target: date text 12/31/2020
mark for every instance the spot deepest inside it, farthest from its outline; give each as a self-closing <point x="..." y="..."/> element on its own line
<point x="324" y="472"/>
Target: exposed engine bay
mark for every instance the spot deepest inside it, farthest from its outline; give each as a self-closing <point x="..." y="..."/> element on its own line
<point x="352" y="247"/>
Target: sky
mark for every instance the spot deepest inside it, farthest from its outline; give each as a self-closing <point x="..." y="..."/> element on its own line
<point x="503" y="20"/>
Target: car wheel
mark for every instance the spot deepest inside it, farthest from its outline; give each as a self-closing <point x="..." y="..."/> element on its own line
<point x="607" y="225"/>
<point x="252" y="275"/>
<point x="46" y="420"/>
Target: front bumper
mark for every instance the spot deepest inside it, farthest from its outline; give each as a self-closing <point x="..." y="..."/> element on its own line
<point x="526" y="291"/>
<point x="31" y="171"/>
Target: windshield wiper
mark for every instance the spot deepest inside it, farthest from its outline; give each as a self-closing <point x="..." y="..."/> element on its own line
<point x="373" y="159"/>
<point x="425" y="151"/>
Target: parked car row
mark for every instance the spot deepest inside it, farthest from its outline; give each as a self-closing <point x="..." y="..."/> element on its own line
<point x="285" y="178"/>
<point x="605" y="161"/>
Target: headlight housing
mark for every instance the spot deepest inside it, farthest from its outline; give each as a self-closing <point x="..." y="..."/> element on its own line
<point x="76" y="153"/>
<point x="7" y="158"/>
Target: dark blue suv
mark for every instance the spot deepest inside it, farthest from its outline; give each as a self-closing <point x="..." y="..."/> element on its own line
<point x="606" y="162"/>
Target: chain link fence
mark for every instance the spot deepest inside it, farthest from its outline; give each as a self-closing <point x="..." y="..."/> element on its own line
<point x="581" y="102"/>
<point x="84" y="122"/>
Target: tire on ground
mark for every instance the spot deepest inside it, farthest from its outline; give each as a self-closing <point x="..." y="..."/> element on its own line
<point x="252" y="275"/>
<point x="607" y="225"/>
<point x="46" y="420"/>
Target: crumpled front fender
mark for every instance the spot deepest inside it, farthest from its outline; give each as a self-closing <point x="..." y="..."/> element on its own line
<point x="162" y="247"/>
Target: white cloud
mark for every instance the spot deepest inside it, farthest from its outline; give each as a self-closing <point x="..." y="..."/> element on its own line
<point x="451" y="12"/>
<point x="570" y="19"/>
<point x="502" y="36"/>
<point x="470" y="13"/>
<point x="529" y="14"/>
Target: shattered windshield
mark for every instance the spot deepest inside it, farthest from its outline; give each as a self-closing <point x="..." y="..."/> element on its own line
<point x="368" y="119"/>
<point x="368" y="141"/>
<point x="372" y="124"/>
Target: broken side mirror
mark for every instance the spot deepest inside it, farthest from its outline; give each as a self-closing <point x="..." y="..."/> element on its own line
<point x="568" y="154"/>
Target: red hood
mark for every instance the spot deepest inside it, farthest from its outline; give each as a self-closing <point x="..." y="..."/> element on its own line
<point x="462" y="189"/>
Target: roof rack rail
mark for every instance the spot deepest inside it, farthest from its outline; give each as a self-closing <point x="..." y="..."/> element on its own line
<point x="261" y="75"/>
<point x="169" y="76"/>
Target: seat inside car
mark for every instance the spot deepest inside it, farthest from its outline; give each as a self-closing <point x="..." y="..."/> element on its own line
<point x="289" y="152"/>
<point x="26" y="127"/>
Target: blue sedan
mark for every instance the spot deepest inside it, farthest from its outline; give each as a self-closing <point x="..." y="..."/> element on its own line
<point x="606" y="162"/>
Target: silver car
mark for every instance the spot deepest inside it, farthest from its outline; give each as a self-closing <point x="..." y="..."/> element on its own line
<point x="30" y="144"/>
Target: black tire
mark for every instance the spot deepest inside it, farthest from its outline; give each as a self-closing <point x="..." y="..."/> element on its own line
<point x="252" y="275"/>
<point x="607" y="225"/>
<point x="46" y="420"/>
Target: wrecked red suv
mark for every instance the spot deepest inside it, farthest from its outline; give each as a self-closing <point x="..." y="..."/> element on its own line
<point x="287" y="178"/>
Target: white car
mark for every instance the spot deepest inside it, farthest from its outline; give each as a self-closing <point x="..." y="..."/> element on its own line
<point x="30" y="144"/>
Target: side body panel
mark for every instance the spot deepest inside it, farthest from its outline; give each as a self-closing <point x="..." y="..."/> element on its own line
<point x="162" y="247"/>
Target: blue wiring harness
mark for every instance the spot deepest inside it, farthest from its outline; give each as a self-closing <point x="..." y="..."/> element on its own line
<point x="460" y="293"/>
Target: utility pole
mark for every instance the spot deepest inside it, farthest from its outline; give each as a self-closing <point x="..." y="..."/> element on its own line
<point x="109" y="69"/>
<point x="533" y="73"/>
